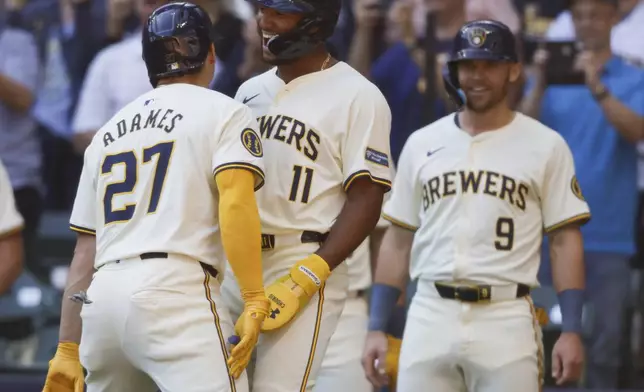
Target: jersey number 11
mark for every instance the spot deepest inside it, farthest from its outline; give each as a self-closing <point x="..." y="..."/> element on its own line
<point x="295" y="186"/>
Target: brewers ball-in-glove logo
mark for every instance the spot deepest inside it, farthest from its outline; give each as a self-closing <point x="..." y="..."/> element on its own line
<point x="576" y="189"/>
<point x="252" y="142"/>
<point x="476" y="36"/>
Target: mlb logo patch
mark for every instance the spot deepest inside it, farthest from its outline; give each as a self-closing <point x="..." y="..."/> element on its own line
<point x="377" y="157"/>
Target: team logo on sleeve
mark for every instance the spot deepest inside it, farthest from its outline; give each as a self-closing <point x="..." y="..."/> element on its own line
<point x="252" y="142"/>
<point x="377" y="157"/>
<point x="576" y="189"/>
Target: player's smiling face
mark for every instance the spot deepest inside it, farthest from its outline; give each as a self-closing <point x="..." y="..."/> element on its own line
<point x="486" y="83"/>
<point x="271" y="23"/>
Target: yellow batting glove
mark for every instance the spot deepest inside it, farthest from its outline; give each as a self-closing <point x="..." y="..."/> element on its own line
<point x="65" y="371"/>
<point x="392" y="358"/>
<point x="247" y="330"/>
<point x="292" y="292"/>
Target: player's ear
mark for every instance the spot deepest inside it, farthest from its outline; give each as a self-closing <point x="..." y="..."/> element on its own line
<point x="515" y="72"/>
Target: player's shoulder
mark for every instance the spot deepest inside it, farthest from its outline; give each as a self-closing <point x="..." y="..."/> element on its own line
<point x="534" y="130"/>
<point x="356" y="83"/>
<point x="258" y="81"/>
<point x="436" y="129"/>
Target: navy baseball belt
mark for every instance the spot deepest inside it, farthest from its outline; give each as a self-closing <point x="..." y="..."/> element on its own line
<point x="475" y="293"/>
<point x="271" y="241"/>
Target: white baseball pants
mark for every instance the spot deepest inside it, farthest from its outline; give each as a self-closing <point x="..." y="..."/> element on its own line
<point x="156" y="323"/>
<point x="453" y="346"/>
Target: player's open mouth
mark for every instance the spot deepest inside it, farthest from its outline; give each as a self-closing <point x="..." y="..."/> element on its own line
<point x="266" y="37"/>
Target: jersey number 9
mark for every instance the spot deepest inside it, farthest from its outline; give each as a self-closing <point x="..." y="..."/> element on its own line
<point x="129" y="160"/>
<point x="504" y="234"/>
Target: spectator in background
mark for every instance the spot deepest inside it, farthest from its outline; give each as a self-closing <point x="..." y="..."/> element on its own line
<point x="398" y="72"/>
<point x="229" y="46"/>
<point x="626" y="36"/>
<point x="19" y="144"/>
<point x="601" y="121"/>
<point x="11" y="224"/>
<point x="53" y="109"/>
<point x="115" y="77"/>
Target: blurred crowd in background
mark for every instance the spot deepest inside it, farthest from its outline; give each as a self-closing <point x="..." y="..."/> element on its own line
<point x="67" y="66"/>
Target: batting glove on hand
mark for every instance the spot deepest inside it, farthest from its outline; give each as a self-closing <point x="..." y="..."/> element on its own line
<point x="65" y="371"/>
<point x="392" y="358"/>
<point x="247" y="331"/>
<point x="292" y="292"/>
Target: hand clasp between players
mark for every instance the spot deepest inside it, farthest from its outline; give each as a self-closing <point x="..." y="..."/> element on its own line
<point x="283" y="299"/>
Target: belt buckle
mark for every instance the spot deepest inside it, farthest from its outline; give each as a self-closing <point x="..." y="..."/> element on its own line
<point x="462" y="293"/>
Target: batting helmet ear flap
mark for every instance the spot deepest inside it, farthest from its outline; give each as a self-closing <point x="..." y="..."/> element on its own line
<point x="450" y="82"/>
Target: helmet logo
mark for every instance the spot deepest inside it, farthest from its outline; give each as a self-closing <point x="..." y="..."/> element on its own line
<point x="476" y="36"/>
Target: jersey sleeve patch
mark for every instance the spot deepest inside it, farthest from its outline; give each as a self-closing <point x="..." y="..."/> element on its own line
<point x="252" y="142"/>
<point x="576" y="189"/>
<point x="377" y="157"/>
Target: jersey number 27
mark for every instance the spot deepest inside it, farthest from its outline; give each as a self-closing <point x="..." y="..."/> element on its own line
<point x="129" y="160"/>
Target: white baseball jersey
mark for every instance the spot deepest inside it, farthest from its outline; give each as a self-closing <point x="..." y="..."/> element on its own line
<point x="10" y="219"/>
<point x="147" y="183"/>
<point x="321" y="131"/>
<point x="480" y="203"/>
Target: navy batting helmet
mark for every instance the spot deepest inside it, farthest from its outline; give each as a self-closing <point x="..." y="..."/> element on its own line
<point x="479" y="40"/>
<point x="176" y="40"/>
<point x="318" y="22"/>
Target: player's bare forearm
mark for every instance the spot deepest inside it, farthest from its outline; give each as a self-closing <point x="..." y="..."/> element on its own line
<point x="375" y="240"/>
<point x="240" y="227"/>
<point x="11" y="259"/>
<point x="567" y="258"/>
<point x="16" y="96"/>
<point x="78" y="279"/>
<point x="356" y="221"/>
<point x="393" y="258"/>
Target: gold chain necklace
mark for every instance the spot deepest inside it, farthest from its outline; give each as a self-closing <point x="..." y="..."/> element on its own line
<point x="326" y="62"/>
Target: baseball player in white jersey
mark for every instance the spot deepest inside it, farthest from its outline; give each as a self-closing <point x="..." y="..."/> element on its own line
<point x="473" y="194"/>
<point x="11" y="223"/>
<point x="165" y="196"/>
<point x="325" y="131"/>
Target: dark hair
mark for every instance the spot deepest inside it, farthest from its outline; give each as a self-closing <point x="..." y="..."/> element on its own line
<point x="614" y="3"/>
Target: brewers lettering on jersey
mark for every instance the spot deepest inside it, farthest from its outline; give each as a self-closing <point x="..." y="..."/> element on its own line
<point x="483" y="199"/>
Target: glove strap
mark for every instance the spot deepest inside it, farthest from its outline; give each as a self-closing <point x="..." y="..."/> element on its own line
<point x="310" y="273"/>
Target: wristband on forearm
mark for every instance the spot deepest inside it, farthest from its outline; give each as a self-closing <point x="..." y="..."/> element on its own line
<point x="571" y="303"/>
<point x="383" y="301"/>
<point x="396" y="325"/>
